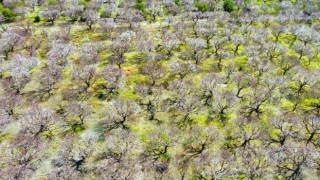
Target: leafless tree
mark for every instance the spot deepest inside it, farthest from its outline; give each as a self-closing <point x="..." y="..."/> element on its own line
<point x="118" y="114"/>
<point x="51" y="14"/>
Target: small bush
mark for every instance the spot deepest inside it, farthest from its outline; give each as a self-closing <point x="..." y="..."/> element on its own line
<point x="203" y="7"/>
<point x="228" y="5"/>
<point x="82" y="19"/>
<point x="37" y="19"/>
<point x="8" y="14"/>
<point x="140" y="6"/>
<point x="177" y="2"/>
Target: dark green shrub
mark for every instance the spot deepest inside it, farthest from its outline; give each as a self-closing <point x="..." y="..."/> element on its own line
<point x="228" y="5"/>
<point x="203" y="7"/>
<point x="140" y="6"/>
<point x="177" y="2"/>
<point x="82" y="19"/>
<point x="8" y="14"/>
<point x="36" y="19"/>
